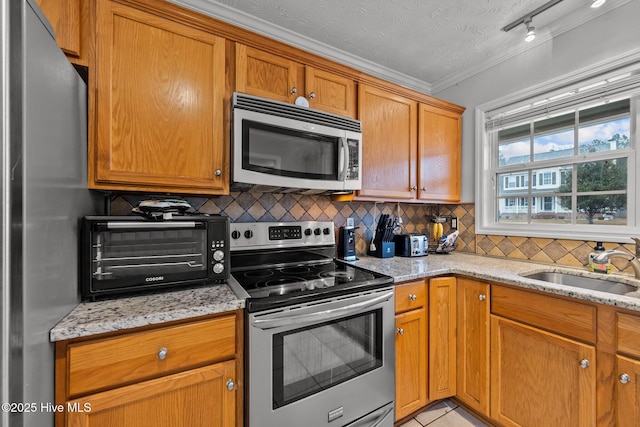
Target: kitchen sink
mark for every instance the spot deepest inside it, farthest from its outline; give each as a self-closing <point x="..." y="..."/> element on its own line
<point x="608" y="285"/>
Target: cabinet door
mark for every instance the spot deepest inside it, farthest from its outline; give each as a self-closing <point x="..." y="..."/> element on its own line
<point x="473" y="344"/>
<point x="195" y="398"/>
<point x="411" y="362"/>
<point x="439" y="154"/>
<point x="330" y="92"/>
<point x="628" y="392"/>
<point x="537" y="378"/>
<point x="389" y="144"/>
<point x="266" y="75"/>
<point x="160" y="89"/>
<point x="442" y="338"/>
<point x="64" y="16"/>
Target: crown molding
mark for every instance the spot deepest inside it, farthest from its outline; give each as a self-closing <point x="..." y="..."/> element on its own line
<point x="267" y="29"/>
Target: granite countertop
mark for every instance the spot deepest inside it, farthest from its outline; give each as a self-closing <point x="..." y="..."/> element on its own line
<point x="499" y="270"/>
<point x="92" y="318"/>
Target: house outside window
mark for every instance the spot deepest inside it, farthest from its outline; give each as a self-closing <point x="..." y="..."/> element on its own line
<point x="569" y="171"/>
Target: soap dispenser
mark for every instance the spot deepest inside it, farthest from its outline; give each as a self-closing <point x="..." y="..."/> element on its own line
<point x="594" y="265"/>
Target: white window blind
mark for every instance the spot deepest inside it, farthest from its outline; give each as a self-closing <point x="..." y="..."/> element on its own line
<point x="590" y="93"/>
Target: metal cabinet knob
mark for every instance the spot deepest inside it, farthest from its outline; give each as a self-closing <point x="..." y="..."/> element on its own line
<point x="413" y="297"/>
<point x="218" y="172"/>
<point x="414" y="188"/>
<point x="400" y="331"/>
<point x="294" y="90"/>
<point x="625" y="378"/>
<point x="482" y="297"/>
<point x="584" y="363"/>
<point x="230" y="385"/>
<point x="423" y="189"/>
<point x="162" y="353"/>
<point x="312" y="95"/>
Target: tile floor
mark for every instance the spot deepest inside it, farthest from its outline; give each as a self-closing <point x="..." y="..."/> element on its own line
<point x="444" y="414"/>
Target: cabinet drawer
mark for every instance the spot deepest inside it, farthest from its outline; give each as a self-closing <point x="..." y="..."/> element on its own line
<point x="110" y="362"/>
<point x="410" y="296"/>
<point x="628" y="334"/>
<point x="568" y="318"/>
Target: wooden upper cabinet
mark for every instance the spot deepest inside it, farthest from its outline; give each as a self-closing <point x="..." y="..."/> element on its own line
<point x="439" y="154"/>
<point x="330" y="92"/>
<point x="389" y="144"/>
<point x="159" y="109"/>
<point x="70" y="22"/>
<point x="266" y="75"/>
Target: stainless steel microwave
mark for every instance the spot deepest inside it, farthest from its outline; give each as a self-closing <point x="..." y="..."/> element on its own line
<point x="124" y="254"/>
<point x="281" y="147"/>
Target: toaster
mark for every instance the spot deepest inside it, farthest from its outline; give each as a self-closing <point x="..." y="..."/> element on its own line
<point x="411" y="245"/>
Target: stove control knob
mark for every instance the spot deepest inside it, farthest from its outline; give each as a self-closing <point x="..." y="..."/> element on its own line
<point x="307" y="232"/>
<point x="218" y="255"/>
<point x="248" y="234"/>
<point x="235" y="234"/>
<point x="326" y="231"/>
<point x="316" y="231"/>
<point x="218" y="268"/>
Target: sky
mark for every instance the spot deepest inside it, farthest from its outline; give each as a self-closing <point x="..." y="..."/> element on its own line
<point x="564" y="140"/>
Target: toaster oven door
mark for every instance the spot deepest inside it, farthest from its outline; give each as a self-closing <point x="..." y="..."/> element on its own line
<point x="134" y="255"/>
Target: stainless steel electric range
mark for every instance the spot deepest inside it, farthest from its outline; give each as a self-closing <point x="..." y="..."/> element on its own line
<point x="319" y="340"/>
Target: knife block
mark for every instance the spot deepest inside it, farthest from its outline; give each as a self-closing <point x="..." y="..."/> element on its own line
<point x="384" y="249"/>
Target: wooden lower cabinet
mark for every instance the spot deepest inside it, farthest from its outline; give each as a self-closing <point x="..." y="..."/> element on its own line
<point x="539" y="378"/>
<point x="628" y="392"/>
<point x="442" y="337"/>
<point x="473" y="311"/>
<point x="195" y="398"/>
<point x="411" y="348"/>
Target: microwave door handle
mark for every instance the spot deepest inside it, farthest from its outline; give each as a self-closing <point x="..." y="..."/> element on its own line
<point x="324" y="315"/>
<point x="345" y="159"/>
<point x="123" y="225"/>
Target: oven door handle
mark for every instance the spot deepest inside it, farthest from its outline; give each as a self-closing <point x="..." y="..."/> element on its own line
<point x="337" y="310"/>
<point x="375" y="419"/>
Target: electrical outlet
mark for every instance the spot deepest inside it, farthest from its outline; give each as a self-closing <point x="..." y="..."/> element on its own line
<point x="454" y="223"/>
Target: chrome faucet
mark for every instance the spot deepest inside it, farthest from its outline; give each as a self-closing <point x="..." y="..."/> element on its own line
<point x="604" y="257"/>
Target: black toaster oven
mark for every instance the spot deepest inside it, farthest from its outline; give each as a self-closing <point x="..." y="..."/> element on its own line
<point x="123" y="254"/>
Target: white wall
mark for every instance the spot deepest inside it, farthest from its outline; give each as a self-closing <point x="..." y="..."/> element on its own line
<point x="608" y="36"/>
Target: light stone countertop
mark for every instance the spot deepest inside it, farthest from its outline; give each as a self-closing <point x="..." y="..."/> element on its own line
<point x="500" y="270"/>
<point x="92" y="318"/>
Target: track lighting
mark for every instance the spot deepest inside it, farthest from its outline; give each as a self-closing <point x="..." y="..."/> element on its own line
<point x="597" y="3"/>
<point x="531" y="31"/>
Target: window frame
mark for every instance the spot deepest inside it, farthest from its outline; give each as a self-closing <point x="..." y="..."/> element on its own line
<point x="487" y="173"/>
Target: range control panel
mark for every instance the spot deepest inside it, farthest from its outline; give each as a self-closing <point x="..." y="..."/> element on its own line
<point x="267" y="235"/>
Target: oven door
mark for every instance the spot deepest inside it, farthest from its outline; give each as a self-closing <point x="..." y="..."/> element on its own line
<point x="326" y="363"/>
<point x="135" y="255"/>
<point x="283" y="152"/>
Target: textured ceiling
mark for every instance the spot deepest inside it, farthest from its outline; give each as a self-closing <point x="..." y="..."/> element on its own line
<point x="437" y="42"/>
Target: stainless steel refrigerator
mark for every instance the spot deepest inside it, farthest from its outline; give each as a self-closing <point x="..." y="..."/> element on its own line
<point x="44" y="193"/>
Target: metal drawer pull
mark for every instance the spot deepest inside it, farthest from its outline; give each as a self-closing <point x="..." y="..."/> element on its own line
<point x="413" y="297"/>
<point x="400" y="331"/>
<point x="625" y="378"/>
<point x="584" y="363"/>
<point x="230" y="385"/>
<point x="482" y="297"/>
<point x="162" y="353"/>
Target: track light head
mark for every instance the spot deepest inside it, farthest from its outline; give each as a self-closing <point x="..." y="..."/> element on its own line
<point x="531" y="31"/>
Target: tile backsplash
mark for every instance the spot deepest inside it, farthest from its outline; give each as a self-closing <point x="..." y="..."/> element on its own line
<point x="249" y="207"/>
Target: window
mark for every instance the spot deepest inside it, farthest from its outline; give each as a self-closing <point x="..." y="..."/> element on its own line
<point x="567" y="171"/>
